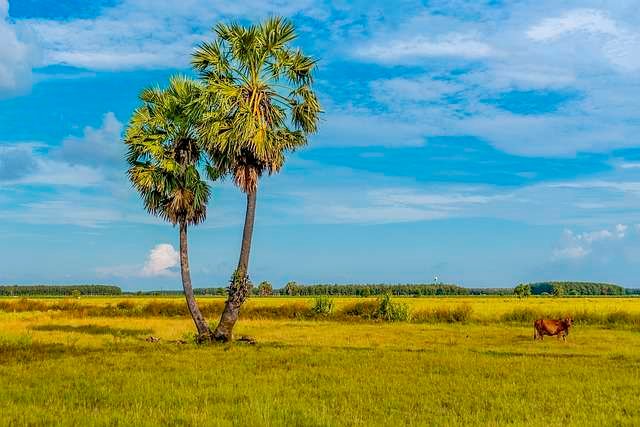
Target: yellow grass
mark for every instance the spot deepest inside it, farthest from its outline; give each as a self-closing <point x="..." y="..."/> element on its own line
<point x="62" y="370"/>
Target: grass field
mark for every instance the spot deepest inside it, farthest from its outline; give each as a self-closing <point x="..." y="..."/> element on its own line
<point x="61" y="368"/>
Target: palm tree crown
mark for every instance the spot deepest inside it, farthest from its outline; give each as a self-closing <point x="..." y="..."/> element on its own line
<point x="164" y="153"/>
<point x="258" y="98"/>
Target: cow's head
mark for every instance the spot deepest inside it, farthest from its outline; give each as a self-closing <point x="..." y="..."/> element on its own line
<point x="567" y="322"/>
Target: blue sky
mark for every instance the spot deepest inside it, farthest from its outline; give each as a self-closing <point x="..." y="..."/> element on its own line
<point x="485" y="142"/>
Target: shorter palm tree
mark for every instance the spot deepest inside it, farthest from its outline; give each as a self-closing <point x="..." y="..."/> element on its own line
<point x="164" y="159"/>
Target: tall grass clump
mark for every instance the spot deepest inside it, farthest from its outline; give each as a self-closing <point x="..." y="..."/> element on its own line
<point x="457" y="314"/>
<point x="522" y="315"/>
<point x="392" y="311"/>
<point x="384" y="308"/>
<point x="323" y="306"/>
<point x="365" y="310"/>
<point x="296" y="310"/>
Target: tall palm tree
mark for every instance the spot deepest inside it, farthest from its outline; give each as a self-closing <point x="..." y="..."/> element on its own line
<point x="165" y="158"/>
<point x="260" y="104"/>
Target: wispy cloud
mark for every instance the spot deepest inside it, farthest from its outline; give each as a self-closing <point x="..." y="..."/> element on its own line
<point x="17" y="56"/>
<point x="576" y="246"/>
<point x="619" y="44"/>
<point x="144" y="34"/>
<point x="84" y="161"/>
<point x="415" y="49"/>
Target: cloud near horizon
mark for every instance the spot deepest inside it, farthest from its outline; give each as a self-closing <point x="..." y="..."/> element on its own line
<point x="162" y="261"/>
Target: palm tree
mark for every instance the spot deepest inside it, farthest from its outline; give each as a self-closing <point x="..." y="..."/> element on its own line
<point x="259" y="105"/>
<point x="164" y="155"/>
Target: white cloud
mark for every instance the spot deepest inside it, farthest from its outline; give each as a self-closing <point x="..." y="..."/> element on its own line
<point x="588" y="20"/>
<point x="362" y="128"/>
<point x="26" y="164"/>
<point x="621" y="230"/>
<point x="579" y="245"/>
<point x="571" y="252"/>
<point x="589" y="56"/>
<point x="70" y="210"/>
<point x="418" y="48"/>
<point x="620" y="45"/>
<point x="16" y="56"/>
<point x="421" y="89"/>
<point x="162" y="260"/>
<point x="146" y="33"/>
<point x="84" y="161"/>
<point x="97" y="146"/>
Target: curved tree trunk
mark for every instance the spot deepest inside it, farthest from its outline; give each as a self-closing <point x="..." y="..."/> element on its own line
<point x="240" y="287"/>
<point x="204" y="332"/>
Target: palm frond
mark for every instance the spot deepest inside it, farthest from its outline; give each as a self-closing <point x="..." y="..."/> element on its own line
<point x="164" y="153"/>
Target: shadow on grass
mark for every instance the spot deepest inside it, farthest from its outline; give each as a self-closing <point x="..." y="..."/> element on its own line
<point x="550" y="355"/>
<point x="24" y="352"/>
<point x="93" y="330"/>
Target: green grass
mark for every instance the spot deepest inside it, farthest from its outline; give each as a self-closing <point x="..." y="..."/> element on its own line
<point x="58" y="370"/>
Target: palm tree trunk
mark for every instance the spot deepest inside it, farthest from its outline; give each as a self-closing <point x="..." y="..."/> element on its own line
<point x="240" y="286"/>
<point x="201" y="324"/>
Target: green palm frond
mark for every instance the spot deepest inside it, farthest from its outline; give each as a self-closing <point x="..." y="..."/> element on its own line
<point x="258" y="102"/>
<point x="164" y="152"/>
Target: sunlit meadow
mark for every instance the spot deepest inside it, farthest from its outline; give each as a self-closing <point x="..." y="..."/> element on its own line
<point x="73" y="366"/>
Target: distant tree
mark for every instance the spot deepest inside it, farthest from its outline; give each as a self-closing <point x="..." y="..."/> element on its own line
<point x="292" y="288"/>
<point x="522" y="290"/>
<point x="164" y="157"/>
<point x="260" y="105"/>
<point x="558" y="290"/>
<point x="265" y="289"/>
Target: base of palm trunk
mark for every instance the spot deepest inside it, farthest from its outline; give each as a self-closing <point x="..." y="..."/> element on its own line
<point x="224" y="330"/>
<point x="205" y="337"/>
<point x="239" y="289"/>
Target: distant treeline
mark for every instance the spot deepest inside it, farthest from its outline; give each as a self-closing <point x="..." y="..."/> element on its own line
<point x="491" y="291"/>
<point x="293" y="288"/>
<point x="576" y="288"/>
<point x="363" y="290"/>
<point x="171" y="292"/>
<point x="59" y="290"/>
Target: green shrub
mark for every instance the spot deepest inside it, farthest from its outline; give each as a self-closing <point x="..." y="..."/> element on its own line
<point x="392" y="311"/>
<point x="323" y="306"/>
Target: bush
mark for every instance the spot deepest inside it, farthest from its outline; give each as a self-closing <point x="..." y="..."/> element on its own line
<point x="391" y="311"/>
<point x="365" y="310"/>
<point x="459" y="313"/>
<point x="125" y="305"/>
<point x="323" y="306"/>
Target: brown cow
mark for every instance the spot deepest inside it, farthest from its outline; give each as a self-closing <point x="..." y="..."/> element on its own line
<point x="560" y="327"/>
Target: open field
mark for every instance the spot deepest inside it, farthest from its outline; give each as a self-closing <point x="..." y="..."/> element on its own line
<point x="61" y="368"/>
<point x="605" y="311"/>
